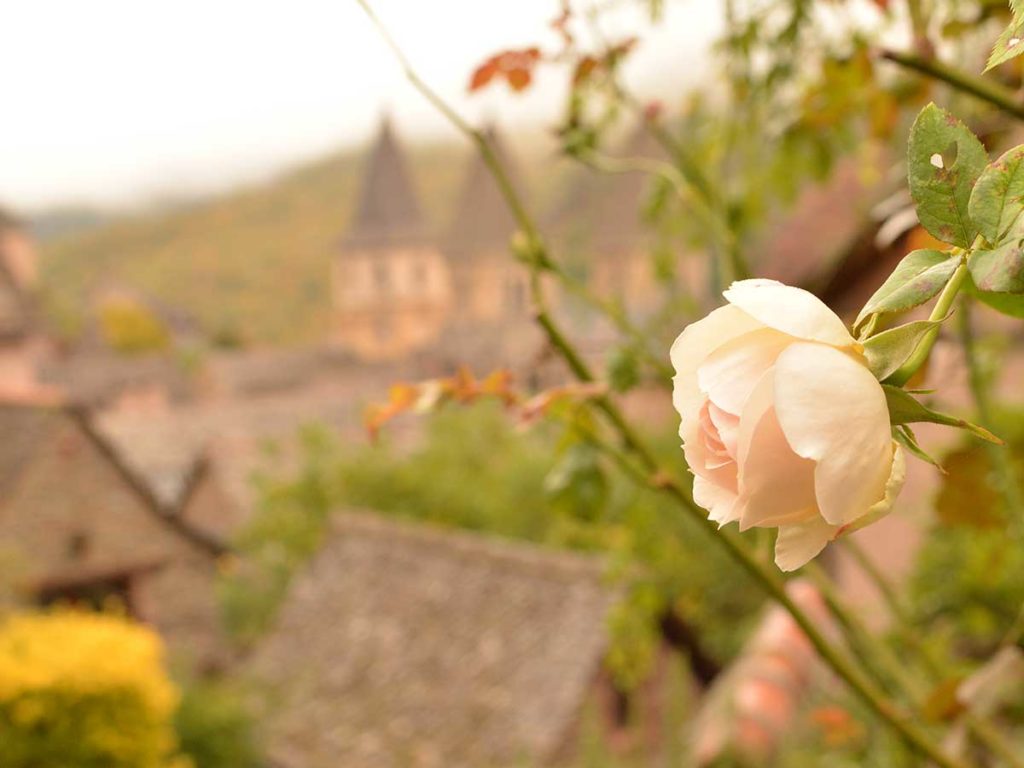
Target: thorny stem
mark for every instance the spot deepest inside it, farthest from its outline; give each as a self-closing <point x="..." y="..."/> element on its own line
<point x="941" y="309"/>
<point x="653" y="476"/>
<point x="881" y="656"/>
<point x="980" y="88"/>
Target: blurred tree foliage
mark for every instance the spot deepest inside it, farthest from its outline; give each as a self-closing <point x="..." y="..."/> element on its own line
<point x="969" y="579"/>
<point x="84" y="690"/>
<point x="473" y="470"/>
<point x="215" y="726"/>
<point x="130" y="327"/>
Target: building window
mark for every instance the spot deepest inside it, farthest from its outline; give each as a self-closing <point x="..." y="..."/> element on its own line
<point x="78" y="546"/>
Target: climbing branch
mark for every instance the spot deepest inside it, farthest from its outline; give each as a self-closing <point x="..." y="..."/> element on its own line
<point x="649" y="471"/>
<point x="979" y="87"/>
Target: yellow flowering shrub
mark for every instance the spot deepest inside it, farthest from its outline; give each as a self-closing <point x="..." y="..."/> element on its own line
<point x="131" y="327"/>
<point x="81" y="690"/>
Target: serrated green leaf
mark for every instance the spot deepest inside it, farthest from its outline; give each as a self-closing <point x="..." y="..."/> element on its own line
<point x="906" y="437"/>
<point x="944" y="161"/>
<point x="1000" y="270"/>
<point x="917" y="278"/>
<point x="888" y="350"/>
<point x="998" y="197"/>
<point x="1009" y="44"/>
<point x="904" y="409"/>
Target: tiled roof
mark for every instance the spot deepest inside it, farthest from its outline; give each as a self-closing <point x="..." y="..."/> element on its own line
<point x="482" y="221"/>
<point x="27" y="428"/>
<point x="388" y="210"/>
<point x="406" y="645"/>
<point x="23" y="432"/>
<point x="600" y="213"/>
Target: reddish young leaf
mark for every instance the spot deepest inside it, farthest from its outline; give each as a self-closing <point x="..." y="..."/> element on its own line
<point x="483" y="75"/>
<point x="584" y="69"/>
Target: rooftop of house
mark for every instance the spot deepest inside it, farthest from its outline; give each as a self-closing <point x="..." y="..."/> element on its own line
<point x="29" y="427"/>
<point x="426" y="647"/>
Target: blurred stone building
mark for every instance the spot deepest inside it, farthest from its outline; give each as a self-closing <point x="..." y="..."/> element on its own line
<point x="462" y="297"/>
<point x="78" y="525"/>
<point x="22" y="345"/>
<point x="427" y="648"/>
<point x="391" y="285"/>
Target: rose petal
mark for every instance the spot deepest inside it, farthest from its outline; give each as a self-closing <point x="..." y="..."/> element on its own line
<point x="727" y="426"/>
<point x="897" y="474"/>
<point x="833" y="411"/>
<point x="719" y="502"/>
<point x="797" y="544"/>
<point x="776" y="486"/>
<point x="729" y="374"/>
<point x="790" y="310"/>
<point x="689" y="350"/>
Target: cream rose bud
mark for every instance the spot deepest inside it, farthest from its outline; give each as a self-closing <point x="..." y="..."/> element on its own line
<point x="783" y="425"/>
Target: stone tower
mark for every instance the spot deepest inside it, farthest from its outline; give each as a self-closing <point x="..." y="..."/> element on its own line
<point x="490" y="322"/>
<point x="391" y="288"/>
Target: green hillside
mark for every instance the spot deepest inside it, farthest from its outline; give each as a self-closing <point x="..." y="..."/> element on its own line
<point x="255" y="263"/>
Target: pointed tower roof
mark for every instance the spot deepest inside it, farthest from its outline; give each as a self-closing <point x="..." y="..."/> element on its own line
<point x="482" y="219"/>
<point x="388" y="209"/>
<point x="602" y="212"/>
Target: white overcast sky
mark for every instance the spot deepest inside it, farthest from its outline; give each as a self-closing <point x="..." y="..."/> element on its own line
<point x="116" y="102"/>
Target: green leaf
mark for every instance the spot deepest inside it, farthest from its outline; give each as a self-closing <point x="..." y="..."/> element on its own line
<point x="577" y="485"/>
<point x="904" y="409"/>
<point x="944" y="161"/>
<point x="998" y="197"/>
<point x="1009" y="44"/>
<point x="1000" y="270"/>
<point x="1008" y="303"/>
<point x="906" y="437"/>
<point x="623" y="369"/>
<point x="917" y="278"/>
<point x="888" y="350"/>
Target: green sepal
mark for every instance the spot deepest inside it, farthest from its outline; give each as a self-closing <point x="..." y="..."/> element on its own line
<point x="888" y="350"/>
<point x="905" y="436"/>
<point x="918" y="277"/>
<point x="904" y="409"/>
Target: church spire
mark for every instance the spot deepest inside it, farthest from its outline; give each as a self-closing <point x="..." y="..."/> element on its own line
<point x="482" y="220"/>
<point x="387" y="209"/>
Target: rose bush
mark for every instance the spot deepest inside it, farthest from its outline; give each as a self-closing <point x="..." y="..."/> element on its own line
<point x="783" y="424"/>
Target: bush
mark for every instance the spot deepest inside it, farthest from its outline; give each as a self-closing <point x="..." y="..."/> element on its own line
<point x="84" y="690"/>
<point x="216" y="728"/>
<point x="474" y="470"/>
<point x="131" y="328"/>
